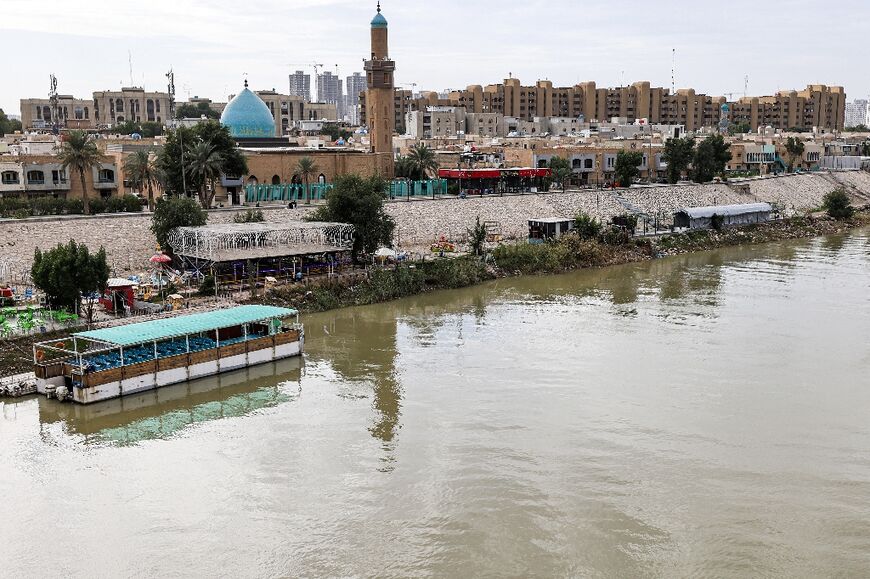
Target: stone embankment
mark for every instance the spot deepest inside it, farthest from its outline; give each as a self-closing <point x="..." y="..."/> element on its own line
<point x="129" y="242"/>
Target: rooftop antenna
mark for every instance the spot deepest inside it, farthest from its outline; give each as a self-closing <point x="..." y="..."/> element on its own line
<point x="170" y="88"/>
<point x="55" y="108"/>
<point x="746" y="86"/>
<point x="130" y="61"/>
<point x="673" y="71"/>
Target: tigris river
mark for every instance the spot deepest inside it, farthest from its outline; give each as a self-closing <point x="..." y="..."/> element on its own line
<point x="706" y="415"/>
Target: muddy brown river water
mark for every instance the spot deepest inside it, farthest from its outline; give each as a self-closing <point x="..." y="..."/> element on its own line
<point x="700" y="416"/>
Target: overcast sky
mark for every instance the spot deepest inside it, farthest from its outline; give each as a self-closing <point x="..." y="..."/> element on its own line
<point x="211" y="44"/>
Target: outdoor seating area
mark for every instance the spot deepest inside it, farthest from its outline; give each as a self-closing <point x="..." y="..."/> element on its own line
<point x="146" y="353"/>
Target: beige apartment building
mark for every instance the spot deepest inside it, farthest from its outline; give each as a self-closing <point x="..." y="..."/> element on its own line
<point x="71" y="112"/>
<point x="289" y="110"/>
<point x="130" y="104"/>
<point x="817" y="106"/>
<point x="105" y="109"/>
<point x="41" y="175"/>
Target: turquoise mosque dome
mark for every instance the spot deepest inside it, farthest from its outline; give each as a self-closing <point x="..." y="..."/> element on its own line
<point x="379" y="21"/>
<point x="247" y="116"/>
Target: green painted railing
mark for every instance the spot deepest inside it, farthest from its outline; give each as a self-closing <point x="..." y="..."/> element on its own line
<point x="285" y="192"/>
<point x="425" y="188"/>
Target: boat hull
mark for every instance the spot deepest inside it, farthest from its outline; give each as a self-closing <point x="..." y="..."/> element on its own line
<point x="132" y="379"/>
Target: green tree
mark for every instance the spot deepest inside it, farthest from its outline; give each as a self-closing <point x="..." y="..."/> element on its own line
<point x="80" y="154"/>
<point x="335" y="131"/>
<point x="306" y="168"/>
<point x="586" y="226"/>
<point x="477" y="237"/>
<point x="739" y="128"/>
<point x="191" y="111"/>
<point x="405" y="168"/>
<point x="177" y="150"/>
<point x="678" y="155"/>
<point x="7" y="125"/>
<point x="175" y="212"/>
<point x="423" y="160"/>
<point x="838" y="205"/>
<point x="360" y="201"/>
<point x="140" y="168"/>
<point x="711" y="158"/>
<point x="626" y="169"/>
<point x="561" y="170"/>
<point x="795" y="148"/>
<point x="68" y="272"/>
<point x="148" y="129"/>
<point x="203" y="167"/>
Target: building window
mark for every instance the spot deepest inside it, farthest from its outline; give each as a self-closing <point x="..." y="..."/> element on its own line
<point x="86" y="113"/>
<point x="58" y="177"/>
<point x="119" y="105"/>
<point x="106" y="176"/>
<point x="35" y="178"/>
<point x="9" y="177"/>
<point x="79" y="113"/>
<point x="46" y="113"/>
<point x="588" y="163"/>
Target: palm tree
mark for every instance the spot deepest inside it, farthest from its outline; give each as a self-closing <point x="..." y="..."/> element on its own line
<point x="307" y="168"/>
<point x="79" y="152"/>
<point x="141" y="170"/>
<point x="422" y="158"/>
<point x="203" y="167"/>
<point x="404" y="168"/>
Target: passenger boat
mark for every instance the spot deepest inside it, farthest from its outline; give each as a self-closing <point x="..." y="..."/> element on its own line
<point x="102" y="364"/>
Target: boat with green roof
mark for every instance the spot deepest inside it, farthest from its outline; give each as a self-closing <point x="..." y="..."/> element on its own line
<point x="108" y="363"/>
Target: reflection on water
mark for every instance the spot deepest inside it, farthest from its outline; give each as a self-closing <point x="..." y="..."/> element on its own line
<point x="697" y="416"/>
<point x="164" y="412"/>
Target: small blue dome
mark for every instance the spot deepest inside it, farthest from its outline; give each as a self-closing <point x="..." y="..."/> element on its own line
<point x="247" y="116"/>
<point x="379" y="21"/>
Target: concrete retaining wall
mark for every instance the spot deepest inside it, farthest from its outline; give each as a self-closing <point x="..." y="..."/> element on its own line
<point x="129" y="242"/>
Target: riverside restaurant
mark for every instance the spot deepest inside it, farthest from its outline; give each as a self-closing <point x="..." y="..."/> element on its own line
<point x="102" y="364"/>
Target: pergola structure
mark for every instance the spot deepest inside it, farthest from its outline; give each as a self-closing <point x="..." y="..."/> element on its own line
<point x="203" y="248"/>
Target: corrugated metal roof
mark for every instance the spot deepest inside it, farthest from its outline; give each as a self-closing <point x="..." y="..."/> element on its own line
<point x="726" y="210"/>
<point x="192" y="324"/>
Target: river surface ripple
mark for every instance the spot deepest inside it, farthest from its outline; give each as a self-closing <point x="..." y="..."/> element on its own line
<point x="698" y="416"/>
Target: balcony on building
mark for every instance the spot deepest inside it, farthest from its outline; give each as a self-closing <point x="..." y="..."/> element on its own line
<point x="105" y="177"/>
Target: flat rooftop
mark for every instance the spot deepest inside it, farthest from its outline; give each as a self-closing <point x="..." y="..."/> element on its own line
<point x="163" y="329"/>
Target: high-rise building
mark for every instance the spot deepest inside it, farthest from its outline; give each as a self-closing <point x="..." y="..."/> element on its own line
<point x="380" y="105"/>
<point x="300" y="85"/>
<point x="857" y="113"/>
<point x="329" y="91"/>
<point x="356" y="84"/>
